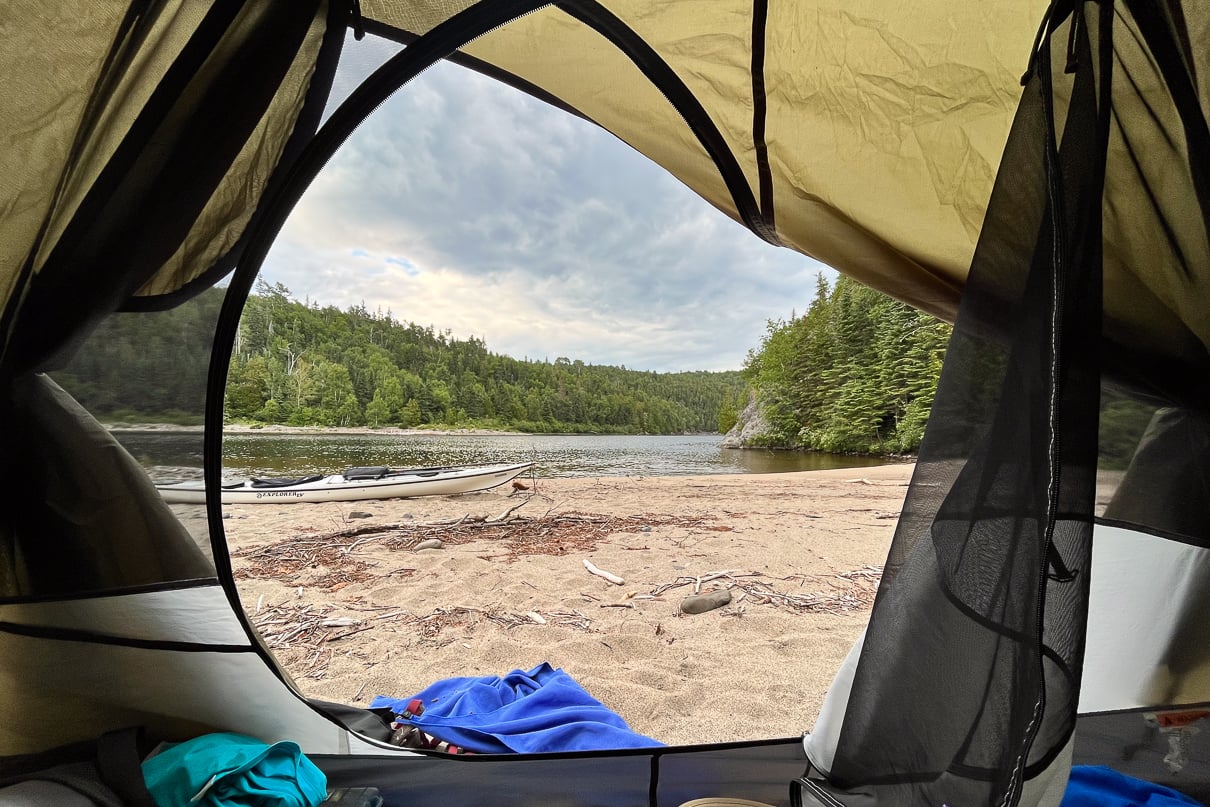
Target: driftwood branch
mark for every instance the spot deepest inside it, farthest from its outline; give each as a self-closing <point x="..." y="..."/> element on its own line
<point x="504" y="516"/>
<point x="612" y="578"/>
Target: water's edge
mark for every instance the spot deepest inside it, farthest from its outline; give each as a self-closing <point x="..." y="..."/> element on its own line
<point x="255" y="452"/>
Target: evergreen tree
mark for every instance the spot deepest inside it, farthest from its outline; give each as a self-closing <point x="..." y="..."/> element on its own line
<point x="377" y="411"/>
<point x="856" y="373"/>
<point x="411" y="415"/>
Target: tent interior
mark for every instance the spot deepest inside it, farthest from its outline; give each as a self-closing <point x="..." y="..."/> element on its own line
<point x="1059" y="219"/>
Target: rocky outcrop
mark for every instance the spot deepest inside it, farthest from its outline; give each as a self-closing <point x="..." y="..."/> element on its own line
<point x="749" y="427"/>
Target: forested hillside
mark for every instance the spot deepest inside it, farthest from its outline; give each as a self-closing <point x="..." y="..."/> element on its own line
<point x="856" y="373"/>
<point x="301" y="364"/>
<point x="147" y="366"/>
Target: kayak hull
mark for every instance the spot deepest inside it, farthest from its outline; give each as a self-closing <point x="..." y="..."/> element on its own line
<point x="335" y="488"/>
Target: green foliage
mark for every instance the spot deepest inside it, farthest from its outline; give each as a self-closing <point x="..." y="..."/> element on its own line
<point x="728" y="413"/>
<point x="304" y="365"/>
<point x="377" y="411"/>
<point x="1123" y="422"/>
<point x="271" y="412"/>
<point x="135" y="364"/>
<point x="857" y="373"/>
<point x="411" y="415"/>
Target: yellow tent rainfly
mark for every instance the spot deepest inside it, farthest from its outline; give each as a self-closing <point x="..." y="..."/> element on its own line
<point x="1038" y="174"/>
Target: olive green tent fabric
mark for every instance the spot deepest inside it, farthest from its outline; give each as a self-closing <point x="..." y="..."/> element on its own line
<point x="864" y="134"/>
<point x="231" y="205"/>
<point x="141" y="143"/>
<point x="135" y="145"/>
<point x="82" y="515"/>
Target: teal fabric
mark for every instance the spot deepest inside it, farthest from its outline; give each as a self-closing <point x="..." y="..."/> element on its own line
<point x="231" y="770"/>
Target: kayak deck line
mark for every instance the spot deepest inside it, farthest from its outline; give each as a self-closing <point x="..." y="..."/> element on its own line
<point x="355" y="484"/>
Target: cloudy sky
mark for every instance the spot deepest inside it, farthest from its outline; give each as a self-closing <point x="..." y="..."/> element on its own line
<point x="465" y="205"/>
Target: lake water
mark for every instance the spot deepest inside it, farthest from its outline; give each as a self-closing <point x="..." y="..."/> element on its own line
<point x="276" y="454"/>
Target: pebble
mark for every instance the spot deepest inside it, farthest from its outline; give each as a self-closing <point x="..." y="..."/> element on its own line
<point x="360" y="514"/>
<point x="707" y="601"/>
<point x="431" y="543"/>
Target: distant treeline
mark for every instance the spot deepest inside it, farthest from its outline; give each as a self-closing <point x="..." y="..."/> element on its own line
<point x="300" y="364"/>
<point x="147" y="367"/>
<point x="856" y="373"/>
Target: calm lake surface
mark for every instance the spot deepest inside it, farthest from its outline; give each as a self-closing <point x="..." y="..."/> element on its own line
<point x="279" y="454"/>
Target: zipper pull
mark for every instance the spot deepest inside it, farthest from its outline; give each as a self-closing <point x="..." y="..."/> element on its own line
<point x="356" y="21"/>
<point x="1077" y="22"/>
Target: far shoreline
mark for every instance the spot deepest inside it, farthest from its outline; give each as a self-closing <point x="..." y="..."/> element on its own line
<point x="240" y="428"/>
<point x="393" y="431"/>
<point x="396" y="431"/>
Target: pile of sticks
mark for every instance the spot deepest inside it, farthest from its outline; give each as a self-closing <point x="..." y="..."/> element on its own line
<point x="433" y="623"/>
<point x="578" y="533"/>
<point x="306" y="631"/>
<point x="549" y="534"/>
<point x="290" y="560"/>
<point x="311" y="629"/>
<point x="843" y="592"/>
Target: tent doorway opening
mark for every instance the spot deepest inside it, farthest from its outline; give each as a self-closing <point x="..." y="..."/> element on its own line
<point x="477" y="278"/>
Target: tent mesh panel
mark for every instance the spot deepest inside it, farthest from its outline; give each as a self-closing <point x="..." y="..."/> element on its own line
<point x="968" y="681"/>
<point x="963" y="687"/>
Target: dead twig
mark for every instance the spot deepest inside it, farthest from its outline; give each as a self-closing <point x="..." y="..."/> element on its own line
<point x="846" y="591"/>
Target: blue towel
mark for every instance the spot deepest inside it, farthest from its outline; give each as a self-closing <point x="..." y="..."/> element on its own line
<point x="1097" y="786"/>
<point x="538" y="711"/>
<point x="231" y="770"/>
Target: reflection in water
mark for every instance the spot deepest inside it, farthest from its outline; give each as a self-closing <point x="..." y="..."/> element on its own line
<point x="251" y="454"/>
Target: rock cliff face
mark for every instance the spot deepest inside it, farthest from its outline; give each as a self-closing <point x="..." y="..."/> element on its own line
<point x="749" y="427"/>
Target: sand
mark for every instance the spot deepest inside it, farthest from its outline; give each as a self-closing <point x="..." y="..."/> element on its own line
<point x="353" y="610"/>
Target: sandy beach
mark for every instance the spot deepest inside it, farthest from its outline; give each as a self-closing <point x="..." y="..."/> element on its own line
<point x="353" y="608"/>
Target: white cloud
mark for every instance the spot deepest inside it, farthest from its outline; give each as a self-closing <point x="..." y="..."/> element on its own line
<point x="466" y="205"/>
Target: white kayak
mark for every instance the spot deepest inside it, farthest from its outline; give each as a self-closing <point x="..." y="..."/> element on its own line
<point x="355" y="484"/>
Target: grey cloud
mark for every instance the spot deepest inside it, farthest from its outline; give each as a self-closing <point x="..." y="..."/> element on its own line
<point x="535" y="230"/>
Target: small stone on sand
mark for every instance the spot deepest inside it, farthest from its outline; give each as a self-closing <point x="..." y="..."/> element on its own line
<point x="708" y="601"/>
